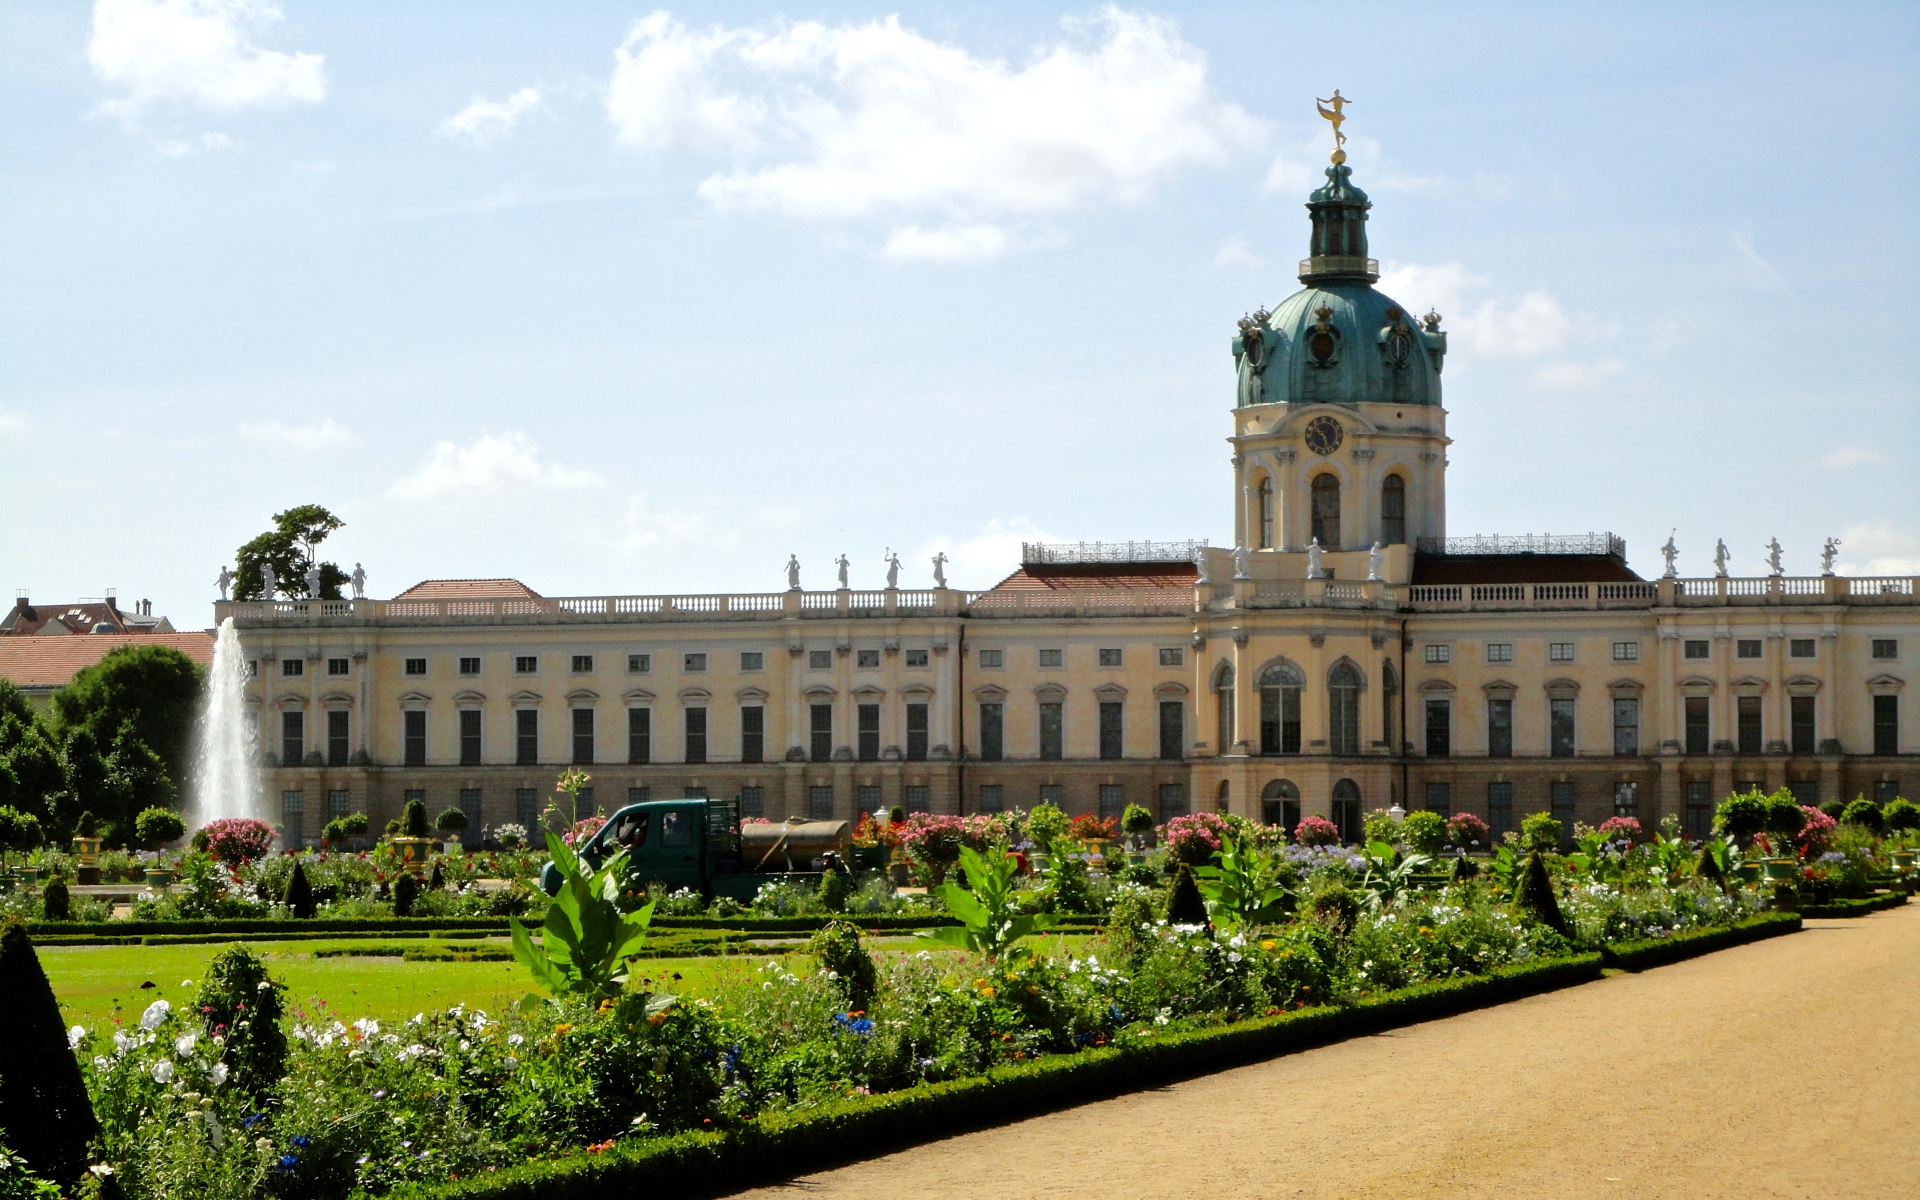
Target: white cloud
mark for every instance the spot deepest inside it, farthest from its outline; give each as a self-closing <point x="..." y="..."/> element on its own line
<point x="1529" y="326"/>
<point x="1759" y="271"/>
<point x="645" y="526"/>
<point x="1236" y="253"/>
<point x="12" y="424"/>
<point x="1842" y="457"/>
<point x="197" y="51"/>
<point x="1577" y="374"/>
<point x="1288" y="174"/>
<point x="206" y="143"/>
<point x="493" y="462"/>
<point x="1878" y="549"/>
<point x="948" y="243"/>
<point x="324" y="436"/>
<point x="974" y="563"/>
<point x="874" y="119"/>
<point x="483" y="120"/>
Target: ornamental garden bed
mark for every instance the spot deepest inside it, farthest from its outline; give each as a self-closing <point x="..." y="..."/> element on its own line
<point x="1855" y="908"/>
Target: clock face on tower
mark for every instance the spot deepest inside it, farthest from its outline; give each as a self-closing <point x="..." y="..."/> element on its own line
<point x="1324" y="435"/>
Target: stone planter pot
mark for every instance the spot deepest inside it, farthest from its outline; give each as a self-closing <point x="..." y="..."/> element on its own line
<point x="413" y="851"/>
<point x="1903" y="861"/>
<point x="1749" y="872"/>
<point x="28" y="875"/>
<point x="160" y="877"/>
<point x="1781" y="870"/>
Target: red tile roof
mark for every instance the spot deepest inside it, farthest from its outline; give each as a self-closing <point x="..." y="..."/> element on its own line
<point x="1085" y="576"/>
<point x="76" y="618"/>
<point x="1520" y="568"/>
<point x="49" y="662"/>
<point x="469" y="589"/>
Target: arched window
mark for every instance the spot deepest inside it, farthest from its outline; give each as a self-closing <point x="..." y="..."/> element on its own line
<point x="1389" y="691"/>
<point x="1326" y="511"/>
<point x="1346" y="810"/>
<point x="1223" y="701"/>
<point x="1280" y="805"/>
<point x="1266" y="514"/>
<point x="1280" y="686"/>
<point x="1343" y="710"/>
<point x="1393" y="511"/>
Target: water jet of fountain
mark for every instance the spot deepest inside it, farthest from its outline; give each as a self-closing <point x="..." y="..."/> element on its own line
<point x="226" y="766"/>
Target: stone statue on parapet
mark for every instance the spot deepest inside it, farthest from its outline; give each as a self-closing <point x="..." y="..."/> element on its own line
<point x="793" y="572"/>
<point x="1720" y="557"/>
<point x="359" y="582"/>
<point x="313" y="581"/>
<point x="1314" y="569"/>
<point x="268" y="584"/>
<point x="1376" y="558"/>
<point x="1827" y="554"/>
<point x="1773" y="557"/>
<point x="225" y="581"/>
<point x="940" y="570"/>
<point x="893" y="570"/>
<point x="1200" y="565"/>
<point x="1672" y="554"/>
<point x="842" y="563"/>
<point x="1241" y="564"/>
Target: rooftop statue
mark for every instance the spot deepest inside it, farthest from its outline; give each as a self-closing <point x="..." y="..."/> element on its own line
<point x="793" y="572"/>
<point x="940" y="570"/>
<point x="1376" y="558"/>
<point x="1314" y="569"/>
<point x="1827" y="554"/>
<point x="1720" y="557"/>
<point x="1671" y="553"/>
<point x="359" y="582"/>
<point x="1337" y="116"/>
<point x="893" y="570"/>
<point x="1773" y="558"/>
<point x="313" y="581"/>
<point x="1240" y="563"/>
<point x="268" y="584"/>
<point x="224" y="581"/>
<point x="842" y="563"/>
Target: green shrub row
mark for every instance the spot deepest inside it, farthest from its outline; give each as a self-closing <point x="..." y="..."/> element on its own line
<point x="1855" y="908"/>
<point x="789" y="1143"/>
<point x="1658" y="952"/>
<point x="40" y="930"/>
<point x="888" y="923"/>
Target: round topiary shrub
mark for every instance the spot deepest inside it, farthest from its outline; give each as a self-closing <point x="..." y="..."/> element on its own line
<point x="1864" y="813"/>
<point x="158" y="826"/>
<point x="1425" y="832"/>
<point x="1540" y="832"/>
<point x="1901" y="815"/>
<point x="452" y="821"/>
<point x="1785" y="817"/>
<point x="1316" y="831"/>
<point x="1741" y="815"/>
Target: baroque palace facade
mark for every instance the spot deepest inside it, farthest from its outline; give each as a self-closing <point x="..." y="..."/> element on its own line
<point x="1345" y="655"/>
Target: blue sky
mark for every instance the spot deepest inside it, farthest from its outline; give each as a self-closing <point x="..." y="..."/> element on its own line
<point x="615" y="299"/>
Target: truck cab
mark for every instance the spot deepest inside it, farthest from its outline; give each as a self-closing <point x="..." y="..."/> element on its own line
<point x="675" y="843"/>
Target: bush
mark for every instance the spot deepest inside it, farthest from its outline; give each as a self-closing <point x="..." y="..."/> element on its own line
<point x="241" y="1003"/>
<point x="20" y="831"/>
<point x="1193" y="839"/>
<point x="236" y="840"/>
<point x="413" y="819"/>
<point x="436" y="878"/>
<point x="1620" y="829"/>
<point x="1136" y="820"/>
<point x="1380" y="827"/>
<point x="836" y="948"/>
<point x="1467" y="831"/>
<point x="299" y="894"/>
<point x="833" y="890"/>
<point x="44" y="1109"/>
<point x="1185" y="905"/>
<point x="1534" y="896"/>
<point x="1784" y="814"/>
<point x="406" y="890"/>
<point x="1864" y="813"/>
<point x="56" y="903"/>
<point x="1425" y="832"/>
<point x="157" y="826"/>
<point x="1316" y="831"/>
<point x="1901" y="815"/>
<point x="1540" y="832"/>
<point x="451" y="820"/>
<point x="1046" y="824"/>
<point x="1741" y="815"/>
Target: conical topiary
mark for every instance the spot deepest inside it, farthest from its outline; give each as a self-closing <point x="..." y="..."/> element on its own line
<point x="1708" y="867"/>
<point x="413" y="819"/>
<point x="1535" y="897"/>
<point x="299" y="893"/>
<point x="43" y="1101"/>
<point x="57" y="902"/>
<point x="1185" y="905"/>
<point x="406" y="890"/>
<point x="241" y="1003"/>
<point x="436" y="880"/>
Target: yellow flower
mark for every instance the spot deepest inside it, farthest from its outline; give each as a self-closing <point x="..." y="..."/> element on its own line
<point x="1267" y="945"/>
<point x="658" y="1019"/>
<point x="562" y="1030"/>
<point x="987" y="992"/>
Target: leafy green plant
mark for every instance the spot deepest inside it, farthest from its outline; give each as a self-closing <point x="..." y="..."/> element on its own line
<point x="1784" y="814"/>
<point x="1864" y="813"/>
<point x="1046" y="824"/>
<point x="834" y="886"/>
<point x="1136" y="821"/>
<point x="1380" y="827"/>
<point x="989" y="922"/>
<point x="1901" y="815"/>
<point x="341" y="828"/>
<point x="451" y="821"/>
<point x="1713" y="862"/>
<point x="1424" y="832"/>
<point x="240" y="1002"/>
<point x="836" y="947"/>
<point x="1242" y="885"/>
<point x="1389" y="875"/>
<point x="1741" y="815"/>
<point x="56" y="902"/>
<point x="586" y="941"/>
<point x="1539" y="831"/>
<point x="157" y="826"/>
<point x="19" y="832"/>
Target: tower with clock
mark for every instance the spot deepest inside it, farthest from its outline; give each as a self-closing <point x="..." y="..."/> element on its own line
<point x="1339" y="435"/>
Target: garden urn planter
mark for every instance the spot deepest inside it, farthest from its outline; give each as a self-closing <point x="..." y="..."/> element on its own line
<point x="160" y="877"/>
<point x="28" y="874"/>
<point x="413" y="851"/>
<point x="1749" y="872"/>
<point x="1096" y="854"/>
<point x="1903" y="861"/>
<point x="1780" y="870"/>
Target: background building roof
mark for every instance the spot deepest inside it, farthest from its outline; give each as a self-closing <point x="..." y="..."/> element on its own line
<point x="469" y="589"/>
<point x="41" y="664"/>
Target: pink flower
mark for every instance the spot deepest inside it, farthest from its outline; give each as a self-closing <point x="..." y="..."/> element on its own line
<point x="1316" y="831"/>
<point x="1615" y="829"/>
<point x="234" y="840"/>
<point x="1193" y="839"/>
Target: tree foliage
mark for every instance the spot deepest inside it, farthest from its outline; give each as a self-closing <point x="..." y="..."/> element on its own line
<point x="44" y="1107"/>
<point x="155" y="688"/>
<point x="289" y="547"/>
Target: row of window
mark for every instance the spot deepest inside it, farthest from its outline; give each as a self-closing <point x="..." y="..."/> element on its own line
<point x="1325" y="506"/>
<point x="1105" y="656"/>
<point x="1111" y="724"/>
<point x="1693" y="648"/>
<point x="1502" y="652"/>
<point x="1749" y="726"/>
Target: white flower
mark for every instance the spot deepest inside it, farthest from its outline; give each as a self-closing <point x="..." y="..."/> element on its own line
<point x="264" y="985"/>
<point x="514" y="1039"/>
<point x="163" y="1071"/>
<point x="122" y="1041"/>
<point x="156" y="1013"/>
<point x="512" y="1062"/>
<point x="100" y="1061"/>
<point x="183" y="1045"/>
<point x="217" y="1073"/>
<point x="368" y="1027"/>
<point x="75" y="1036"/>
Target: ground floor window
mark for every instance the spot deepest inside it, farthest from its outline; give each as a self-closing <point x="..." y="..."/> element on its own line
<point x="1113" y="800"/>
<point x="1499" y="810"/>
<point x="1626" y="800"/>
<point x="1173" y="800"/>
<point x="820" y="803"/>
<point x="1346" y="810"/>
<point x="919" y="798"/>
<point x="992" y="798"/>
<point x="753" y="802"/>
<point x="1560" y="795"/>
<point x="1699" y="818"/>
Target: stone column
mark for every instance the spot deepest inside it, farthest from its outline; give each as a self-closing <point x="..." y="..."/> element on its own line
<point x="1246" y="711"/>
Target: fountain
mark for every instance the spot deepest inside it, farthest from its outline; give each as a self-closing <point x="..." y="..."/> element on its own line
<point x="226" y="767"/>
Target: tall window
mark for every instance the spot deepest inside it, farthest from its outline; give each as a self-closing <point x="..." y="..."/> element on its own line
<point x="753" y="733"/>
<point x="639" y="735"/>
<point x="293" y="806"/>
<point x="1326" y="511"/>
<point x="1699" y="817"/>
<point x="293" y="737"/>
<point x="339" y="801"/>
<point x="1052" y="730"/>
<point x="1113" y="800"/>
<point x="1560" y="797"/>
<point x="1699" y="731"/>
<point x="1439" y="797"/>
<point x="916" y="733"/>
<point x="1343" y="710"/>
<point x="1393" y="510"/>
<point x="1500" y="728"/>
<point x="1054" y="794"/>
<point x="1439" y="728"/>
<point x="1800" y="713"/>
<point x="868" y="749"/>
<point x="1626" y="725"/>
<point x="1886" y="725"/>
<point x="1626" y="799"/>
<point x="1560" y="727"/>
<point x="1173" y="728"/>
<point x="526" y="736"/>
<point x="820" y="803"/>
<point x="1346" y="810"/>
<point x="866" y="797"/>
<point x="1111" y="731"/>
<point x="415" y="740"/>
<point x="993" y="798"/>
<point x="583" y="736"/>
<point x="470" y="737"/>
<point x="338" y="744"/>
<point x="753" y="802"/>
<point x="992" y="728"/>
<point x="820" y="726"/>
<point x="696" y="724"/>
<point x="1173" y="800"/>
<point x="1499" y="810"/>
<point x="919" y="798"/>
<point x="526" y="808"/>
<point x="639" y="795"/>
<point x="1389" y="689"/>
<point x="1223" y="710"/>
<point x="1280" y="686"/>
<point x="1279" y="804"/>
<point x="1266" y="514"/>
<point x="1747" y="720"/>
<point x="470" y="805"/>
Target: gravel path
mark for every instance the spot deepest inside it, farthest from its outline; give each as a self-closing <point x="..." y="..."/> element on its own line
<point x="1785" y="1068"/>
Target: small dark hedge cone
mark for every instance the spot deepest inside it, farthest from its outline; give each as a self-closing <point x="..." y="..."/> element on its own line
<point x="1185" y="905"/>
<point x="1535" y="895"/>
<point x="299" y="894"/>
<point x="435" y="880"/>
<point x="56" y="902"/>
<point x="1709" y="867"/>
<point x="406" y="890"/>
<point x="44" y="1110"/>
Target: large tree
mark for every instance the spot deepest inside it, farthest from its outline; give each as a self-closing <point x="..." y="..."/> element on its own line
<point x="31" y="771"/>
<point x="289" y="548"/>
<point x="155" y="689"/>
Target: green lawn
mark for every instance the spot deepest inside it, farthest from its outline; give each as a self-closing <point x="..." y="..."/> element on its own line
<point x="94" y="984"/>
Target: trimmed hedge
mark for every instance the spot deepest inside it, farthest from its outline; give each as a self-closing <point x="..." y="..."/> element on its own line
<point x="1658" y="952"/>
<point x="1855" y="908"/>
<point x="781" y="1145"/>
<point x="41" y="930"/>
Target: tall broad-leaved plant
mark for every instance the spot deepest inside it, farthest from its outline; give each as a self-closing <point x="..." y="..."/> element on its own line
<point x="989" y="922"/>
<point x="1242" y="885"/>
<point x="586" y="942"/>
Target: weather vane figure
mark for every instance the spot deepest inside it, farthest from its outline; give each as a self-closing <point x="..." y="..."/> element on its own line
<point x="1336" y="114"/>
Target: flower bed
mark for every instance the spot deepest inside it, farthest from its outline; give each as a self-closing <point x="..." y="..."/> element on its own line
<point x="1657" y="952"/>
<point x="1854" y="908"/>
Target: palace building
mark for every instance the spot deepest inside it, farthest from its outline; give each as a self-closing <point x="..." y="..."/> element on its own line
<point x="1345" y="655"/>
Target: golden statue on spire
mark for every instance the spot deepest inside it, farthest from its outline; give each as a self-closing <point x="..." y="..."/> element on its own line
<point x="1336" y="115"/>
